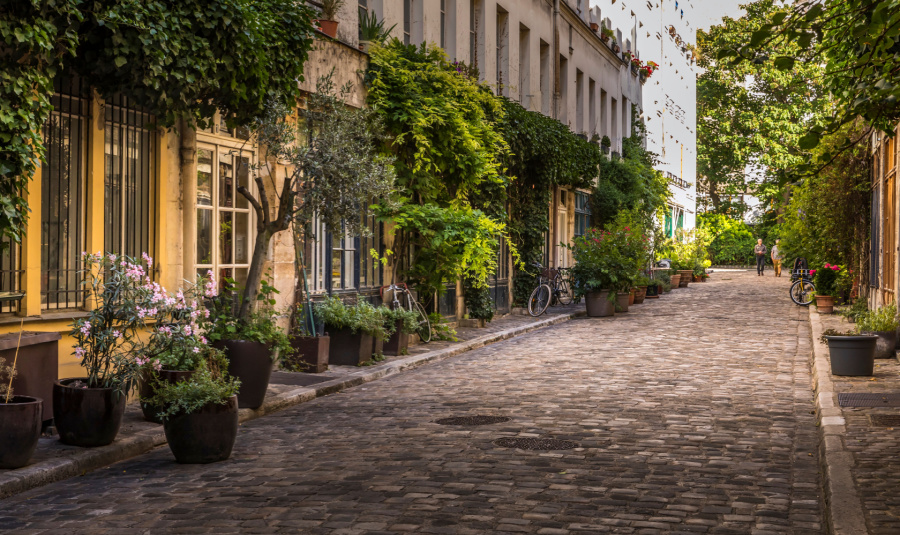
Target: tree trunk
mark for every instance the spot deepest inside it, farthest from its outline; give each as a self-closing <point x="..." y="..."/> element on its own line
<point x="251" y="289"/>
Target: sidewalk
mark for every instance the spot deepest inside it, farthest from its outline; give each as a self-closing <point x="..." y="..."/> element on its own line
<point x="54" y="461"/>
<point x="860" y="448"/>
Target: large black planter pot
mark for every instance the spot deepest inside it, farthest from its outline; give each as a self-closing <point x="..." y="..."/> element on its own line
<point x="310" y="353"/>
<point x="87" y="417"/>
<point x="397" y="343"/>
<point x="205" y="436"/>
<point x="852" y="355"/>
<point x="148" y="390"/>
<point x="598" y="304"/>
<point x="251" y="362"/>
<point x="652" y="291"/>
<point x="20" y="429"/>
<point x="349" y="348"/>
<point x="886" y="347"/>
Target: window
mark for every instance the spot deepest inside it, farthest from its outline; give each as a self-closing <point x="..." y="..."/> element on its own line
<point x="223" y="215"/>
<point x="63" y="180"/>
<point x="472" y="32"/>
<point x="524" y="67"/>
<point x="129" y="157"/>
<point x="407" y="20"/>
<point x="545" y="77"/>
<point x="341" y="261"/>
<point x="444" y="24"/>
<point x="563" y="111"/>
<point x="363" y="6"/>
<point x="579" y="101"/>
<point x="502" y="52"/>
<point x="592" y="106"/>
<point x="582" y="213"/>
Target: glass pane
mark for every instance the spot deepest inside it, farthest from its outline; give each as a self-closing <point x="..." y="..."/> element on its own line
<point x="336" y="269"/>
<point x="224" y="275"/>
<point x="241" y="238"/>
<point x="204" y="236"/>
<point x="204" y="177"/>
<point x="226" y="243"/>
<point x="240" y="276"/>
<point x="223" y="127"/>
<point x="243" y="179"/>
<point x="226" y="179"/>
<point x="348" y="270"/>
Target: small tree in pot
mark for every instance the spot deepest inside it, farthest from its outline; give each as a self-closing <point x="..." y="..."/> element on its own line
<point x="825" y="281"/>
<point x="20" y="421"/>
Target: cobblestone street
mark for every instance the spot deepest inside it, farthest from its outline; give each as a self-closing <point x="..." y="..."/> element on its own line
<point x="692" y="414"/>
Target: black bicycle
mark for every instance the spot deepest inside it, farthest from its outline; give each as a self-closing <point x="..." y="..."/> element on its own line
<point x="553" y="286"/>
<point x="802" y="290"/>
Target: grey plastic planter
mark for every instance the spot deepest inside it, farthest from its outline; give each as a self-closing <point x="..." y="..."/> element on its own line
<point x="598" y="304"/>
<point x="852" y="355"/>
<point x="886" y="348"/>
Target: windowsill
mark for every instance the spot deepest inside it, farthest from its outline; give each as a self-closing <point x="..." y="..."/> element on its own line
<point x="7" y="319"/>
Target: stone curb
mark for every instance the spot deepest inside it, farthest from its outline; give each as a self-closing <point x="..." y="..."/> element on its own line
<point x="843" y="506"/>
<point x="88" y="459"/>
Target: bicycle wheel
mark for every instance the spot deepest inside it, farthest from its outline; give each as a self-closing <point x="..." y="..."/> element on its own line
<point x="564" y="292"/>
<point x="801" y="292"/>
<point x="424" y="330"/>
<point x="539" y="300"/>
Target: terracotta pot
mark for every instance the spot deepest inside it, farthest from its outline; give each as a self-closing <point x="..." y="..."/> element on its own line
<point x="205" y="436"/>
<point x="640" y="293"/>
<point x="311" y="352"/>
<point x="252" y="363"/>
<point x="622" y="301"/>
<point x="598" y="304"/>
<point x="675" y="280"/>
<point x="328" y="27"/>
<point x="825" y="304"/>
<point x="631" y="297"/>
<point x="595" y="27"/>
<point x="148" y="390"/>
<point x="686" y="275"/>
<point x="87" y="417"/>
<point x="20" y="429"/>
<point x="697" y="278"/>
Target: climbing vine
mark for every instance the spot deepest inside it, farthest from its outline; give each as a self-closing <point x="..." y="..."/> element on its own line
<point x="181" y="59"/>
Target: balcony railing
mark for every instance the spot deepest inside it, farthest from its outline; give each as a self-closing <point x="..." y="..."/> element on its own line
<point x="676" y="181"/>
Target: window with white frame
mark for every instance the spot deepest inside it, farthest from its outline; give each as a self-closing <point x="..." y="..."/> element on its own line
<point x="224" y="219"/>
<point x="582" y="213"/>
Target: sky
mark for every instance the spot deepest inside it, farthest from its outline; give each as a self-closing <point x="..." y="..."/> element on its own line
<point x="710" y="12"/>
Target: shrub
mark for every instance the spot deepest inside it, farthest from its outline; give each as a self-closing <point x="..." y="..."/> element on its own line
<point x="883" y="319"/>
<point x="825" y="280"/>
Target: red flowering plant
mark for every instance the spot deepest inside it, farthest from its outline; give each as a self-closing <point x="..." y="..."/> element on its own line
<point x="608" y="259"/>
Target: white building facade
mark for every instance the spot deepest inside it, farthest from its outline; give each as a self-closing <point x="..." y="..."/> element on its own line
<point x="663" y="33"/>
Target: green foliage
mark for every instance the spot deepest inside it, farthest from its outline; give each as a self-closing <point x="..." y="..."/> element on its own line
<point x="732" y="242"/>
<point x="441" y="331"/>
<point x="880" y="320"/>
<point x="543" y="153"/>
<point x="856" y="42"/>
<point x="630" y="183"/>
<point x="360" y="317"/>
<point x="179" y="59"/>
<point x="259" y="325"/>
<point x="608" y="259"/>
<point x="826" y="279"/>
<point x="827" y="218"/>
<point x="189" y="396"/>
<point x="372" y="29"/>
<point x="855" y="310"/>
<point x="479" y="303"/>
<point x="7" y="374"/>
<point x="330" y="9"/>
<point x="408" y="320"/>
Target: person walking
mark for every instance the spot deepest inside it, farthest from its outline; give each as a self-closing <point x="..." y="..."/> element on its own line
<point x="777" y="257"/>
<point x="760" y="251"/>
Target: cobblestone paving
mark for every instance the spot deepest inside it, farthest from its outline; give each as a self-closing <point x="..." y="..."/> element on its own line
<point x="692" y="415"/>
<point x="875" y="449"/>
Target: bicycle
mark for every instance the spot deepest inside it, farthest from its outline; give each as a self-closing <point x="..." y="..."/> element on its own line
<point x="552" y="287"/>
<point x="410" y="303"/>
<point x="802" y="289"/>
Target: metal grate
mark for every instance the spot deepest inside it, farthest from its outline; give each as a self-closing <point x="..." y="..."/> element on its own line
<point x="535" y="444"/>
<point x="472" y="420"/>
<point x="858" y="399"/>
<point x="885" y="420"/>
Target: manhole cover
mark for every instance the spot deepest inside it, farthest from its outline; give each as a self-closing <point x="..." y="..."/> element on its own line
<point x="535" y="443"/>
<point x="472" y="420"/>
<point x="854" y="399"/>
<point x="885" y="420"/>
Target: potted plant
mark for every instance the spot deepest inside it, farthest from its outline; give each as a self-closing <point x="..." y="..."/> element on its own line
<point x="355" y="330"/>
<point x="850" y="353"/>
<point x="606" y="34"/>
<point x="622" y="301"/>
<point x="372" y="31"/>
<point x="674" y="279"/>
<point x="605" y="144"/>
<point x="399" y="323"/>
<point x="20" y="422"/>
<point x="252" y="343"/>
<point x="88" y="410"/>
<point x="594" y="272"/>
<point x="883" y="324"/>
<point x="200" y="414"/>
<point x="825" y="281"/>
<point x="642" y="286"/>
<point x="615" y="46"/>
<point x="328" y="15"/>
<point x="595" y="27"/>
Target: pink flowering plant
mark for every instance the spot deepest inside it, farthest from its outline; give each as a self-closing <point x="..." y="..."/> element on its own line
<point x="826" y="279"/>
<point x="133" y="324"/>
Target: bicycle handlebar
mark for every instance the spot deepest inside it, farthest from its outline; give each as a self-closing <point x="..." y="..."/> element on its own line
<point x="401" y="286"/>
